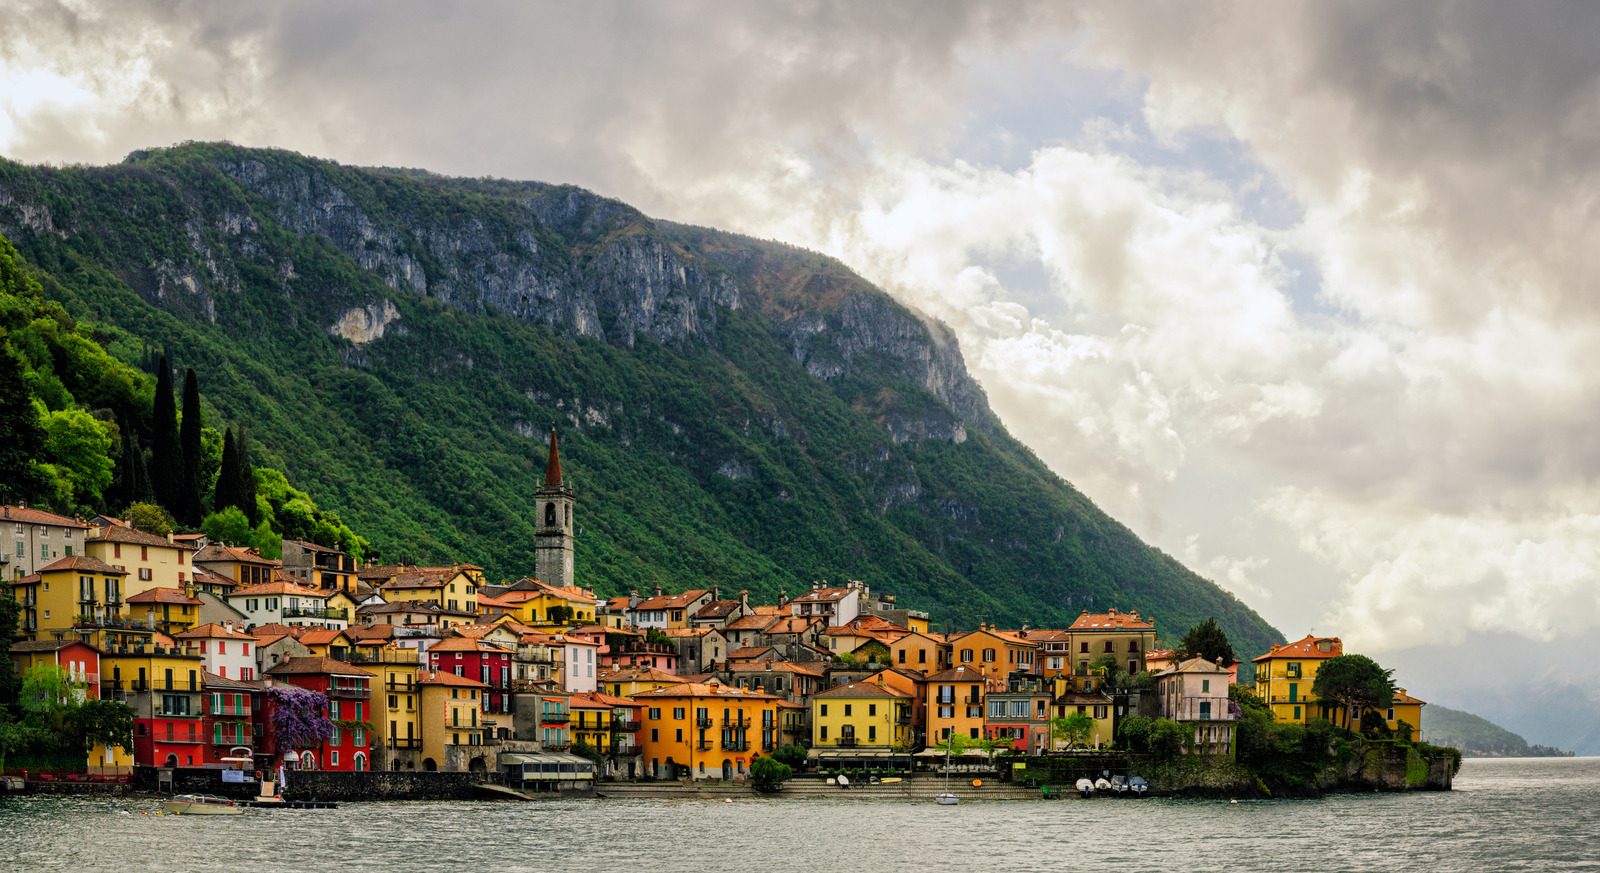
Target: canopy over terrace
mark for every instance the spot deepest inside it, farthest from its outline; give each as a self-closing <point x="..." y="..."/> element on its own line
<point x="547" y="771"/>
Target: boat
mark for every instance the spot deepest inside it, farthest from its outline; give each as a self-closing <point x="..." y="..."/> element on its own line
<point x="1119" y="784"/>
<point x="1138" y="785"/>
<point x="890" y="780"/>
<point x="202" y="804"/>
<point x="1085" y="788"/>
<point x="1102" y="784"/>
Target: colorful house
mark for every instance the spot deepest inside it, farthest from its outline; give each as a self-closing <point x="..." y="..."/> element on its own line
<point x="1096" y="705"/>
<point x="1122" y="636"/>
<point x="1285" y="676"/>
<point x="486" y="662"/>
<point x="151" y="561"/>
<point x="1195" y="694"/>
<point x="868" y="716"/>
<point x="287" y="603"/>
<point x="591" y="722"/>
<point x="705" y="730"/>
<point x="168" y="610"/>
<point x="666" y="611"/>
<point x="72" y="592"/>
<point x="632" y="681"/>
<point x="450" y="707"/>
<point x="396" y="712"/>
<point x="226" y="651"/>
<point x="31" y="539"/>
<point x="1020" y="714"/>
<point x="920" y="651"/>
<point x="163" y="685"/>
<point x="996" y="653"/>
<point x="229" y="719"/>
<point x="81" y="663"/>
<point x="453" y="588"/>
<point x="1404" y="715"/>
<point x="241" y="565"/>
<point x="349" y="692"/>
<point x="955" y="704"/>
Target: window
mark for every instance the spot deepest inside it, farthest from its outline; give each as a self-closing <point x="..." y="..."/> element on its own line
<point x="988" y="656"/>
<point x="145" y="574"/>
<point x="1133" y="645"/>
<point x="678" y="712"/>
<point x="1205" y="685"/>
<point x="22" y="550"/>
<point x="966" y="656"/>
<point x="902" y="656"/>
<point x="922" y="656"/>
<point x="333" y="758"/>
<point x="822" y="732"/>
<point x="44" y="550"/>
<point x="847" y="709"/>
<point x="822" y="710"/>
<point x="655" y="712"/>
<point x="1084" y="647"/>
<point x="655" y="735"/>
<point x="144" y="553"/>
<point x="67" y="550"/>
<point x="997" y="709"/>
<point x="872" y="709"/>
<point x="1110" y="646"/>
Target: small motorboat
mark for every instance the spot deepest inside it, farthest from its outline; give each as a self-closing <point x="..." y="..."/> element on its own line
<point x="1102" y="784"/>
<point x="201" y="804"/>
<point x="1138" y="785"/>
<point x="1119" y="784"/>
<point x="946" y="799"/>
<point x="1085" y="788"/>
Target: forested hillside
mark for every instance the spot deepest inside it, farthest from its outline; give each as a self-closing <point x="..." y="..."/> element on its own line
<point x="733" y="411"/>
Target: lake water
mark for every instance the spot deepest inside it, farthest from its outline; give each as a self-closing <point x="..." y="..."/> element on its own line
<point x="1541" y="814"/>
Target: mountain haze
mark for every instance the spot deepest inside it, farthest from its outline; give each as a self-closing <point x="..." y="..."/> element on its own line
<point x="733" y="411"/>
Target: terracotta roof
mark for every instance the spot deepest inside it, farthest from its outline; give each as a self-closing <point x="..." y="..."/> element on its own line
<point x="717" y="609"/>
<point x="275" y="629"/>
<point x="672" y="601"/>
<point x="824" y="595"/>
<point x="793" y="624"/>
<point x="638" y="674"/>
<point x="1048" y="635"/>
<point x="807" y="668"/>
<point x="749" y="653"/>
<point x="1400" y="697"/>
<point x="584" y="701"/>
<point x="219" y="553"/>
<point x="29" y="515"/>
<point x="425" y="577"/>
<point x="316" y="666"/>
<point x="958" y="674"/>
<point x="1112" y="620"/>
<point x="47" y="645"/>
<point x="173" y="596"/>
<point x="859" y="690"/>
<point x="440" y="677"/>
<point x="85" y="564"/>
<point x="607" y="699"/>
<point x="755" y="622"/>
<point x="1195" y="665"/>
<point x="684" y="632"/>
<point x="704" y="689"/>
<point x="213" y="632"/>
<point x="211" y="577"/>
<point x="320" y="636"/>
<point x="277" y="587"/>
<point x="465" y="644"/>
<point x="117" y="534"/>
<point x="1307" y="647"/>
<point x="213" y="680"/>
<point x="496" y="602"/>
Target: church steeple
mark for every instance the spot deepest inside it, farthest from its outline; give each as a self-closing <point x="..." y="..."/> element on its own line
<point x="552" y="464"/>
<point x="553" y="528"/>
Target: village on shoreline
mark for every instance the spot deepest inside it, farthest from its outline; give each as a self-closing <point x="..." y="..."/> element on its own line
<point x="240" y="669"/>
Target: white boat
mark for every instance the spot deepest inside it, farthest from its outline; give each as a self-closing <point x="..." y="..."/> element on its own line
<point x="202" y="804"/>
<point x="1102" y="784"/>
<point x="1085" y="788"/>
<point x="1138" y="784"/>
<point x="945" y="798"/>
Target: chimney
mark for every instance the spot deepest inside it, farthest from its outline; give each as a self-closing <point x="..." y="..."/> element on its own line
<point x="744" y="600"/>
<point x="716" y="592"/>
<point x="1111" y="611"/>
<point x="658" y="589"/>
<point x="633" y="598"/>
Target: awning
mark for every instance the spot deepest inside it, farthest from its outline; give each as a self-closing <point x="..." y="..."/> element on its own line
<point x="853" y="753"/>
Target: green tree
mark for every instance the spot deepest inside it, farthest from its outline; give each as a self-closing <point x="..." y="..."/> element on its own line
<point x="227" y="490"/>
<point x="108" y="722"/>
<point x="149" y="518"/>
<point x="229" y="525"/>
<point x="244" y="478"/>
<point x="769" y="773"/>
<point x="166" y="464"/>
<point x="1355" y="682"/>
<point x="10" y="611"/>
<point x="48" y="695"/>
<point x="191" y="484"/>
<point x="584" y="750"/>
<point x="1206" y="640"/>
<point x="133" y="480"/>
<point x="791" y="754"/>
<point x="1074" y="730"/>
<point x="79" y="448"/>
<point x="21" y="436"/>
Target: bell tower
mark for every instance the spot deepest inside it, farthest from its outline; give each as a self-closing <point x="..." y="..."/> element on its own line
<point x="552" y="539"/>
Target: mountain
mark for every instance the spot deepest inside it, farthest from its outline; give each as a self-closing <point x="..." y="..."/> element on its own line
<point x="733" y="411"/>
<point x="1478" y="737"/>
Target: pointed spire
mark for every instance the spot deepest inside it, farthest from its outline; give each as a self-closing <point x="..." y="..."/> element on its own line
<point x="552" y="467"/>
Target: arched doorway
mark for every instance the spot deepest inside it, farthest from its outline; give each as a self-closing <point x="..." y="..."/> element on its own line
<point x="477" y="765"/>
<point x="308" y="761"/>
<point x="396" y="764"/>
<point x="172" y="760"/>
<point x="429" y="765"/>
<point x="727" y="770"/>
<point x="360" y="761"/>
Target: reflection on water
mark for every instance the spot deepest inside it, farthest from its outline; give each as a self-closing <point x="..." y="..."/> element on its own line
<point x="1503" y="815"/>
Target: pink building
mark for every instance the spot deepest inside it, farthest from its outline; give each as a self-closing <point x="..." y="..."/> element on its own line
<point x="1195" y="693"/>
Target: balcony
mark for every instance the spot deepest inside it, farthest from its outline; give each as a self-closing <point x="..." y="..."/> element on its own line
<point x="368" y="655"/>
<point x="407" y="686"/>
<point x="555" y="717"/>
<point x="704" y="745"/>
<point x="703" y="721"/>
<point x="318" y="613"/>
<point x="740" y="721"/>
<point x="736" y="745"/>
<point x="622" y="725"/>
<point x="846" y="742"/>
<point x="404" y="743"/>
<point x="902" y="718"/>
<point x="352" y="689"/>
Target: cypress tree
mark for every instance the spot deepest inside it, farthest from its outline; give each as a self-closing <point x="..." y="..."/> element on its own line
<point x="191" y="499"/>
<point x="166" y="467"/>
<point x="227" y="493"/>
<point x="244" y="481"/>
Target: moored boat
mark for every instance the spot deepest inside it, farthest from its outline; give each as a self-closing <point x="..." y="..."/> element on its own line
<point x="1085" y="788"/>
<point x="201" y="804"/>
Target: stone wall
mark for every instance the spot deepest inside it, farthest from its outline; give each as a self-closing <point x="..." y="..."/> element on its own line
<point x="323" y="785"/>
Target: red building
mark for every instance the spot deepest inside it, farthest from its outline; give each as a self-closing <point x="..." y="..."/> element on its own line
<point x="349" y="692"/>
<point x="476" y="659"/>
<point x="228" y="722"/>
<point x="79" y="660"/>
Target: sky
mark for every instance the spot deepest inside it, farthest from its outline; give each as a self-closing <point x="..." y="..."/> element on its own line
<point x="1304" y="293"/>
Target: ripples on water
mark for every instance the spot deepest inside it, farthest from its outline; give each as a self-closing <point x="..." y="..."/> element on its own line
<point x="1503" y="815"/>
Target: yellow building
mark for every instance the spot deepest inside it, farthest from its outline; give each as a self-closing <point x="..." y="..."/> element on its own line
<point x="705" y="730"/>
<point x="919" y="651"/>
<point x="74" y="591"/>
<point x="1122" y="636"/>
<point x="632" y="681"/>
<point x="453" y="588"/>
<point x="167" y="610"/>
<point x="151" y="561"/>
<point x="955" y="704"/>
<point x="1405" y="709"/>
<point x="591" y="722"/>
<point x="1095" y="705"/>
<point x="396" y="705"/>
<point x="861" y="715"/>
<point x="325" y="642"/>
<point x="449" y="716"/>
<point x="1285" y="676"/>
<point x="244" y="566"/>
<point x="996" y="653"/>
<point x="539" y="605"/>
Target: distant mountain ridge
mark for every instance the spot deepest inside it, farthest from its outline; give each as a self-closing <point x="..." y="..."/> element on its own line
<point x="734" y="412"/>
<point x="1478" y="737"/>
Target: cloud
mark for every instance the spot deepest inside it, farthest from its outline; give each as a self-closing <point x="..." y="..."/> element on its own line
<point x="1304" y="293"/>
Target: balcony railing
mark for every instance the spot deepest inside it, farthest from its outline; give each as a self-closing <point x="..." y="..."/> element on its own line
<point x="345" y="690"/>
<point x="847" y="742"/>
<point x="736" y="745"/>
<point x="316" y="612"/>
<point x="621" y="725"/>
<point x="555" y="717"/>
<point x="407" y="657"/>
<point x="704" y="745"/>
<point x="738" y="721"/>
<point x="702" y="721"/>
<point x="404" y="743"/>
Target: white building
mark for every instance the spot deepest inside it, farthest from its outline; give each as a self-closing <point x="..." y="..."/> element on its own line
<point x="288" y="604"/>
<point x="225" y="651"/>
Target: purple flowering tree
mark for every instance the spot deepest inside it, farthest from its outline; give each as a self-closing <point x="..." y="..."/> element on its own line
<point x="299" y="718"/>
